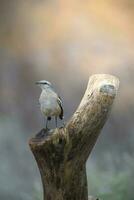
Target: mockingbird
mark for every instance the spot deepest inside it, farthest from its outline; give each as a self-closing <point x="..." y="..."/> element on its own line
<point x="50" y="102"/>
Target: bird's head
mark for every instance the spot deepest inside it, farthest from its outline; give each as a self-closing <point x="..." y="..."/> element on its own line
<point x="44" y="84"/>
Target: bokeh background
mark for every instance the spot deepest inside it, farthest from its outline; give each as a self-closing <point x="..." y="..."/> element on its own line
<point x="64" y="42"/>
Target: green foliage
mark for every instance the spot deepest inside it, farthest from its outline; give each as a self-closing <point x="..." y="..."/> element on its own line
<point x="112" y="183"/>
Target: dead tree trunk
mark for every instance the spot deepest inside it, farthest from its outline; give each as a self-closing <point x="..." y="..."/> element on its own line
<point x="61" y="154"/>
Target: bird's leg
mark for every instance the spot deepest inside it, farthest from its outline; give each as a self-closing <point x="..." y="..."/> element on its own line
<point x="46" y="124"/>
<point x="63" y="122"/>
<point x="56" y="121"/>
<point x="48" y="119"/>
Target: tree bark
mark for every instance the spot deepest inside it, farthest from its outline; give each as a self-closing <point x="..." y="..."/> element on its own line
<point x="61" y="154"/>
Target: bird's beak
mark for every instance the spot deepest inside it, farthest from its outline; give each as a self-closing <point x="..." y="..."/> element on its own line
<point x="37" y="82"/>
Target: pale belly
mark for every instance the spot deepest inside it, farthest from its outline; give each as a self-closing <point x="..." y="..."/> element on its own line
<point x="52" y="109"/>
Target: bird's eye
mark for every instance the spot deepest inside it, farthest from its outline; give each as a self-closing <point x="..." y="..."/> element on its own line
<point x="45" y="83"/>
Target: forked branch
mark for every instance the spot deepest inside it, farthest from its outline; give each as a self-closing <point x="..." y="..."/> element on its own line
<point x="61" y="154"/>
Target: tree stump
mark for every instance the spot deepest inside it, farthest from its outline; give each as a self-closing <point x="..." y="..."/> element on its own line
<point x="61" y="154"/>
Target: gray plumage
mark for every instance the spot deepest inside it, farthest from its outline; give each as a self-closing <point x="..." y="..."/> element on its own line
<point x="50" y="102"/>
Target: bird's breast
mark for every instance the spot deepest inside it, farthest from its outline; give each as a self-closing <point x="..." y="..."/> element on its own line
<point x="49" y="104"/>
<point x="50" y="108"/>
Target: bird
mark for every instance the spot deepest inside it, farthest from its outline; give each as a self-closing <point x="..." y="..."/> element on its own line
<point x="50" y="102"/>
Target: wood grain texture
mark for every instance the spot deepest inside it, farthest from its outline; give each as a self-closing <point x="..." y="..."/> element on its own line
<point x="61" y="154"/>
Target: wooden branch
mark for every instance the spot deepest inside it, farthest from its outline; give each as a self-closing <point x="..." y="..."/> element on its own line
<point x="61" y="154"/>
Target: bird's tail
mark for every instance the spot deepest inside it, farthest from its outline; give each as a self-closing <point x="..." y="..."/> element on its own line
<point x="61" y="116"/>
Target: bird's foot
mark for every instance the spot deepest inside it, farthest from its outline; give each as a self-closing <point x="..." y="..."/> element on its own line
<point x="44" y="132"/>
<point x="63" y="125"/>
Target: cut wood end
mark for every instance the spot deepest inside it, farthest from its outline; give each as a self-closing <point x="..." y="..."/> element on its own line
<point x="106" y="84"/>
<point x="45" y="137"/>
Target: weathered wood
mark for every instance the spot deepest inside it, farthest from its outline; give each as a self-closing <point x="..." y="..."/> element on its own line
<point x="61" y="154"/>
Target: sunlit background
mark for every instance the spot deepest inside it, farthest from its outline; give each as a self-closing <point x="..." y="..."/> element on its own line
<point x="64" y="42"/>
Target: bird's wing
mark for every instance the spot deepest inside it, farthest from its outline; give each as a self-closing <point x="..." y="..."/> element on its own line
<point x="60" y="104"/>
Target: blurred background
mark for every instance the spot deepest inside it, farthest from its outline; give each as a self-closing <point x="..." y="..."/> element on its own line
<point x="64" y="42"/>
